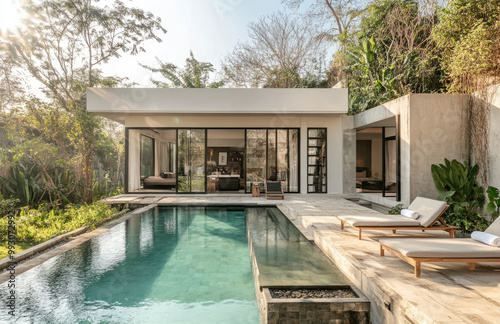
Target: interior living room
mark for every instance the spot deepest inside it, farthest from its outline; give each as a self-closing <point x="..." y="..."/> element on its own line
<point x="376" y="161"/>
<point x="225" y="160"/>
<point x="213" y="160"/>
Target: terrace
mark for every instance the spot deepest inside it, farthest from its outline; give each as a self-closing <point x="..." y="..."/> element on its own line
<point x="446" y="293"/>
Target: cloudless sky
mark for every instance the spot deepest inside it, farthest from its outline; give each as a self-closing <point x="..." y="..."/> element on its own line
<point x="210" y="28"/>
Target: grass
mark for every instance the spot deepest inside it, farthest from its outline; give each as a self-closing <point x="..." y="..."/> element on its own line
<point x="35" y="226"/>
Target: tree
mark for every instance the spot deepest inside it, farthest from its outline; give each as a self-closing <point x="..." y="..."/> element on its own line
<point x="395" y="54"/>
<point x="468" y="42"/>
<point x="194" y="75"/>
<point x="63" y="44"/>
<point x="282" y="52"/>
<point x="11" y="87"/>
<point x="338" y="18"/>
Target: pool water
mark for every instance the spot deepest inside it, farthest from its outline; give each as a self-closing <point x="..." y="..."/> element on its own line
<point x="285" y="257"/>
<point x="168" y="265"/>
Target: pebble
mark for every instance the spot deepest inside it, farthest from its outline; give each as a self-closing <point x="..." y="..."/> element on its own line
<point x="312" y="293"/>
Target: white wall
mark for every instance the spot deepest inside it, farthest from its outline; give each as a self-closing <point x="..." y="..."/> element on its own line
<point x="222" y="101"/>
<point x="331" y="122"/>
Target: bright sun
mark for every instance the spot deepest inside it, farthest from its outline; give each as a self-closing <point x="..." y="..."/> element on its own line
<point x="9" y="16"/>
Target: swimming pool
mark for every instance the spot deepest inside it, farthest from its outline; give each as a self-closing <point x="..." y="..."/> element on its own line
<point x="168" y="265"/>
<point x="173" y="265"/>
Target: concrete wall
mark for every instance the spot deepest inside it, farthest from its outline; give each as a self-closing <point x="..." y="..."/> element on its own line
<point x="349" y="150"/>
<point x="432" y="128"/>
<point x="437" y="125"/>
<point x="334" y="125"/>
<point x="494" y="137"/>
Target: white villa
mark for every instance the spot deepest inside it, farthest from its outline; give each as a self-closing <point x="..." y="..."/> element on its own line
<point x="228" y="140"/>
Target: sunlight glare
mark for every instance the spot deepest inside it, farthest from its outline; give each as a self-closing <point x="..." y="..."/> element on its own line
<point x="10" y="17"/>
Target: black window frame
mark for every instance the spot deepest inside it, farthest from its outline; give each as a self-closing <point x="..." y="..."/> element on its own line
<point x="325" y="138"/>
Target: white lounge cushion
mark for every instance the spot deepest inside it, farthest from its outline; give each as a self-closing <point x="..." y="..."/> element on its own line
<point x="442" y="248"/>
<point x="494" y="228"/>
<point x="486" y="238"/>
<point x="409" y="213"/>
<point x="428" y="209"/>
<point x="379" y="220"/>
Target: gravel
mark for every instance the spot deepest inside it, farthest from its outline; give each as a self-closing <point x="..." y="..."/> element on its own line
<point x="312" y="293"/>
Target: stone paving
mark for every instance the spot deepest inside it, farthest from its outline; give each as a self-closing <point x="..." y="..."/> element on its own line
<point x="446" y="293"/>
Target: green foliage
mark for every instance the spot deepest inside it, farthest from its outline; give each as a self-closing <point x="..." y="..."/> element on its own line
<point x="493" y="206"/>
<point x="371" y="83"/>
<point x="194" y="75"/>
<point x="8" y="206"/>
<point x="197" y="183"/>
<point x="391" y="55"/>
<point x="35" y="226"/>
<point x="62" y="45"/>
<point x="396" y="210"/>
<point x="457" y="185"/>
<point x="467" y="42"/>
<point x="50" y="145"/>
<point x="22" y="183"/>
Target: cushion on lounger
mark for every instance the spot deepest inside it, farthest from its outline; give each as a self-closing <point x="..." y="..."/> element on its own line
<point x="428" y="209"/>
<point x="494" y="227"/>
<point x="379" y="220"/>
<point x="442" y="248"/>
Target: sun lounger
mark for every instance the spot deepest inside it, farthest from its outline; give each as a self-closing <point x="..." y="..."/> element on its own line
<point x="418" y="250"/>
<point x="274" y="190"/>
<point x="430" y="211"/>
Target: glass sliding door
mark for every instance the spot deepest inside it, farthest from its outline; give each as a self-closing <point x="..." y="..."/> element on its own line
<point x="272" y="154"/>
<point x="147" y="153"/>
<point x="256" y="140"/>
<point x="389" y="161"/>
<point x="282" y="158"/>
<point x="191" y="160"/>
<point x="293" y="157"/>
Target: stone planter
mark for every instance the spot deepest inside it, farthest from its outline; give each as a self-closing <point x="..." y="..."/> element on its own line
<point x="315" y="310"/>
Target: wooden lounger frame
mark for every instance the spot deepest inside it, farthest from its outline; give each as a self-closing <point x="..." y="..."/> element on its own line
<point x="432" y="227"/>
<point x="274" y="194"/>
<point x="416" y="262"/>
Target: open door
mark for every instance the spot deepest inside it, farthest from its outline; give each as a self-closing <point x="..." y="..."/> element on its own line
<point x="191" y="145"/>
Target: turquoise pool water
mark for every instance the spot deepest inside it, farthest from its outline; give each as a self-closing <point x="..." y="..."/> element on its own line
<point x="170" y="265"/>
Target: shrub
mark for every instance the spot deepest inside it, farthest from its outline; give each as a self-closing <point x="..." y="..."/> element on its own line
<point x="35" y="226"/>
<point x="457" y="185"/>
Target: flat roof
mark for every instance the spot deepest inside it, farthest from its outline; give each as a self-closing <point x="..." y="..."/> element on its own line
<point x="113" y="102"/>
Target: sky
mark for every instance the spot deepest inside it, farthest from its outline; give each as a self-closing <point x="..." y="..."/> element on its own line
<point x="210" y="28"/>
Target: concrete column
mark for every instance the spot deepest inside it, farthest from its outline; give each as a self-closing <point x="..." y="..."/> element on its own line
<point x="349" y="159"/>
